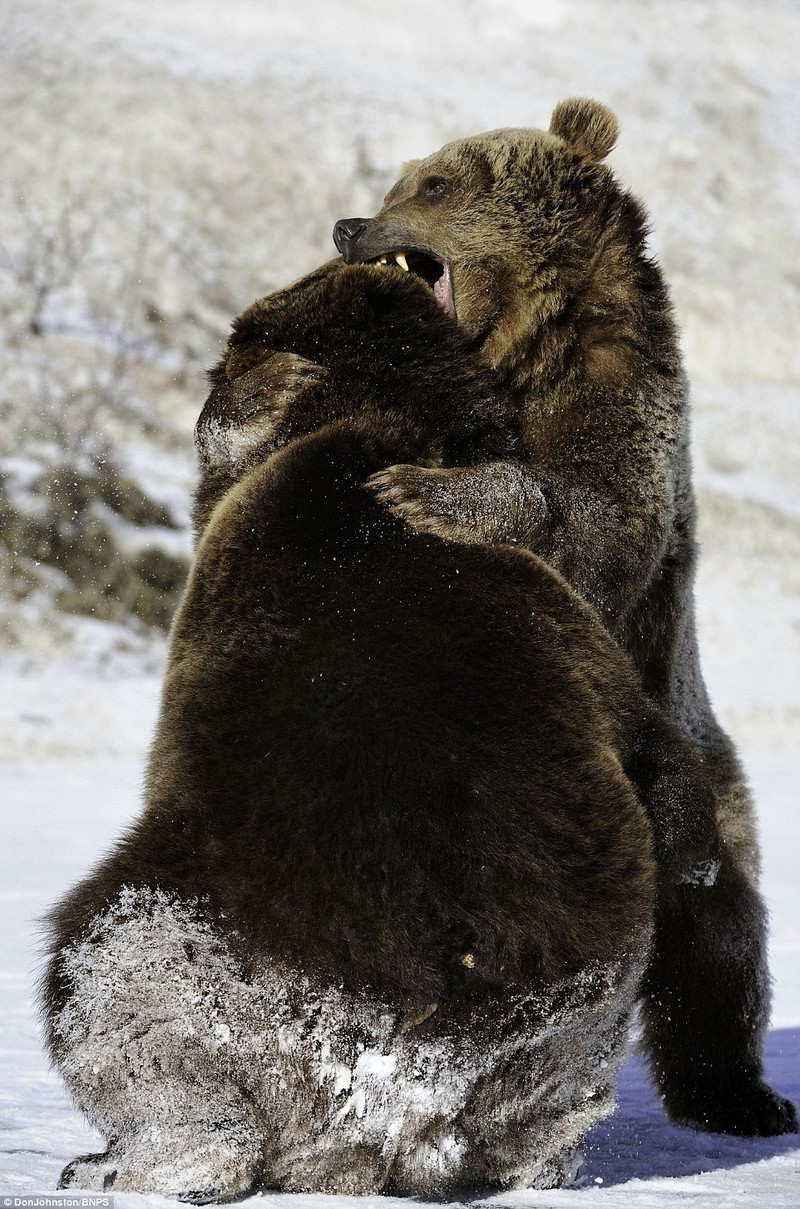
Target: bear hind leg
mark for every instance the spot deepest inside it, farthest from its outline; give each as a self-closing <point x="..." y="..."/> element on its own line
<point x="157" y="1037"/>
<point x="706" y="1008"/>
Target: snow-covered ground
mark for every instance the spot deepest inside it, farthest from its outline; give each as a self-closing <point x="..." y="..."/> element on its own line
<point x="341" y="93"/>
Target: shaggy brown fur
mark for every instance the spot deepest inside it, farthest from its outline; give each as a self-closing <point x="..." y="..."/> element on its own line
<point x="391" y="772"/>
<point x="528" y="239"/>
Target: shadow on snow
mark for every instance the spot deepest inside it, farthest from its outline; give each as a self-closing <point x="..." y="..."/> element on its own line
<point x="638" y="1142"/>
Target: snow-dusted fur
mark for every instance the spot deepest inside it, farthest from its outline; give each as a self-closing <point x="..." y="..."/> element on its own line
<point x="210" y="1081"/>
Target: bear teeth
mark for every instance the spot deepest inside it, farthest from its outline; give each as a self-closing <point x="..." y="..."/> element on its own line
<point x="398" y="258"/>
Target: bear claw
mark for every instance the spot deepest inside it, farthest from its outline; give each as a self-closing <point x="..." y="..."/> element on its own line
<point x="419" y="496"/>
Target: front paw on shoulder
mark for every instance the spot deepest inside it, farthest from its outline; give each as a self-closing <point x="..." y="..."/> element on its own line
<point x="423" y="498"/>
<point x="269" y="387"/>
<point x="243" y="414"/>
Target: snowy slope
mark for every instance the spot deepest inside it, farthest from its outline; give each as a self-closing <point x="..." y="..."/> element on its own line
<point x="340" y="94"/>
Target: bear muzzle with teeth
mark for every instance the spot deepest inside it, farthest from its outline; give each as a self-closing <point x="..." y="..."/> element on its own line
<point x="349" y="237"/>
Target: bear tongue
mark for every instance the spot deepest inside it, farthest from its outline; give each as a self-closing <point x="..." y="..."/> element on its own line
<point x="443" y="292"/>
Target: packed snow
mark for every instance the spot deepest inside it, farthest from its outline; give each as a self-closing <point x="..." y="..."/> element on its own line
<point x="339" y="94"/>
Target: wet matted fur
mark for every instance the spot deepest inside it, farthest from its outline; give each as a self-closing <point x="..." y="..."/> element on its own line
<point x="382" y="920"/>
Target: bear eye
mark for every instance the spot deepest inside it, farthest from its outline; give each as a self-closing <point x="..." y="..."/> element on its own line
<point x="434" y="188"/>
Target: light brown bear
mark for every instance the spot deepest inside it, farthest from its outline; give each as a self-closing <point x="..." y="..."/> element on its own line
<point x="526" y="237"/>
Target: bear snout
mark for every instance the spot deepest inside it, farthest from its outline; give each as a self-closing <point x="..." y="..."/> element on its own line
<point x="346" y="234"/>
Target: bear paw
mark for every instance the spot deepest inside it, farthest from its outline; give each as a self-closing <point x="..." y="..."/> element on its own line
<point x="242" y="415"/>
<point x="198" y="1166"/>
<point x="755" y="1112"/>
<point x="416" y="495"/>
<point x="92" y="1172"/>
<point x="492" y="503"/>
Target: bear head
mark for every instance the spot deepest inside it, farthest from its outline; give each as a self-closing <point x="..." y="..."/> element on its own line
<point x="505" y="227"/>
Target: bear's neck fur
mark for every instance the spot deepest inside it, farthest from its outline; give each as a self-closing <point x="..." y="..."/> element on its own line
<point x="593" y="316"/>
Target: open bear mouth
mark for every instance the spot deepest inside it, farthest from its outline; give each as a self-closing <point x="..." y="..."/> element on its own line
<point x="434" y="272"/>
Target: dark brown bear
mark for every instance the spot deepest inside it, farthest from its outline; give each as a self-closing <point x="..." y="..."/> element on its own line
<point x="383" y="918"/>
<point x="529" y="241"/>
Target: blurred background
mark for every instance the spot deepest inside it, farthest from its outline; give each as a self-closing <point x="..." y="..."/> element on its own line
<point x="165" y="164"/>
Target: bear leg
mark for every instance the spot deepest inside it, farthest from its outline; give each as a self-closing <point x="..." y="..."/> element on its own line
<point x="157" y="1038"/>
<point x="706" y="1009"/>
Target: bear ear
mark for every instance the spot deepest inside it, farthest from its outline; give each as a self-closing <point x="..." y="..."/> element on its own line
<point x="587" y="127"/>
<point x="408" y="166"/>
